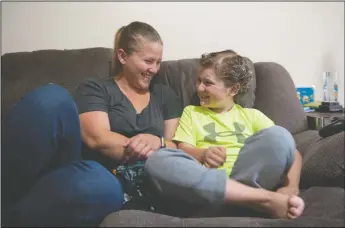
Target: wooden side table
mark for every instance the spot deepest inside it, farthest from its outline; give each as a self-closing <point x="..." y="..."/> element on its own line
<point x="318" y="120"/>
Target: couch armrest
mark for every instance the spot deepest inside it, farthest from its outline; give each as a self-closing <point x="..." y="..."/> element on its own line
<point x="323" y="162"/>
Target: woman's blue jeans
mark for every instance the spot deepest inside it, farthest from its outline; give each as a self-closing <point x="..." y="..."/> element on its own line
<point x="44" y="182"/>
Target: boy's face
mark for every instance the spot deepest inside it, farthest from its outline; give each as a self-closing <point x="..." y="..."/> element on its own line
<point x="212" y="91"/>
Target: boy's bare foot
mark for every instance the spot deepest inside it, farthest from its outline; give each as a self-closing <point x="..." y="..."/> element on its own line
<point x="285" y="207"/>
<point x="296" y="207"/>
<point x="276" y="204"/>
<point x="282" y="206"/>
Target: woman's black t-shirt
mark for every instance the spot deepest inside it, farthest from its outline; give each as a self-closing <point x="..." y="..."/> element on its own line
<point x="103" y="94"/>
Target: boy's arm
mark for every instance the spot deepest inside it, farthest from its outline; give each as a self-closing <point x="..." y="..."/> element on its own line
<point x="197" y="153"/>
<point x="185" y="135"/>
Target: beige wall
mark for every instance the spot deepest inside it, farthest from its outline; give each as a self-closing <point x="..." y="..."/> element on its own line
<point x="306" y="37"/>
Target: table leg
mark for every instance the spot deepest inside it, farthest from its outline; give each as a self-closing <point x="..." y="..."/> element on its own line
<point x="312" y="123"/>
<point x="321" y="122"/>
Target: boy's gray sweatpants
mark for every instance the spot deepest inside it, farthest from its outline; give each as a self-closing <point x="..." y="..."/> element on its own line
<point x="262" y="162"/>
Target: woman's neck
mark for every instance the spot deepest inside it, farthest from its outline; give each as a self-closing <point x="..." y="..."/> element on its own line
<point x="125" y="85"/>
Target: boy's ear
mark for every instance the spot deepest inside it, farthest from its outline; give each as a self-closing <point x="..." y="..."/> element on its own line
<point x="234" y="89"/>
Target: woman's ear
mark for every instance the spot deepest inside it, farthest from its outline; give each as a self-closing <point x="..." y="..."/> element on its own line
<point x="121" y="55"/>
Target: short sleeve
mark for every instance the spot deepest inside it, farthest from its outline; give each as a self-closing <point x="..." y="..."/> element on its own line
<point x="261" y="121"/>
<point x="91" y="96"/>
<point x="185" y="132"/>
<point x="171" y="104"/>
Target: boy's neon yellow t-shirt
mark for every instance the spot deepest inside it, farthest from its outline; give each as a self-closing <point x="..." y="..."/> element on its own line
<point x="203" y="128"/>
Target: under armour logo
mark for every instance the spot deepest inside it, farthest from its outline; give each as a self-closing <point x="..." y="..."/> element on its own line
<point x="239" y="129"/>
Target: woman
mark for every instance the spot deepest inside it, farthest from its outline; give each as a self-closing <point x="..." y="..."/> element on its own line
<point x="229" y="154"/>
<point x="124" y="119"/>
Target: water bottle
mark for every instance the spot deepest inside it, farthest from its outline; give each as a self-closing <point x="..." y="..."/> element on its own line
<point x="335" y="87"/>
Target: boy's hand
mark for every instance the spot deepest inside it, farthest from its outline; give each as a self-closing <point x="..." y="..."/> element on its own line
<point x="214" y="156"/>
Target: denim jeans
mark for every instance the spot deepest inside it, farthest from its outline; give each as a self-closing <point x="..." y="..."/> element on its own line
<point x="44" y="180"/>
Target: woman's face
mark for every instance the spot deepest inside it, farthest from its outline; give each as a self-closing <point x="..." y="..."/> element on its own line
<point x="140" y="66"/>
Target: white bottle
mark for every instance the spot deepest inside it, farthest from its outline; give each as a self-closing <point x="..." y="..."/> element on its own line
<point x="325" y="78"/>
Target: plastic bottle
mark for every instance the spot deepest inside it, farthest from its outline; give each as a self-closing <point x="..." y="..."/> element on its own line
<point x="335" y="87"/>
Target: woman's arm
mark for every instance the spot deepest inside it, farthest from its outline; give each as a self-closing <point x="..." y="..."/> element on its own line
<point x="96" y="134"/>
<point x="154" y="142"/>
<point x="171" y="113"/>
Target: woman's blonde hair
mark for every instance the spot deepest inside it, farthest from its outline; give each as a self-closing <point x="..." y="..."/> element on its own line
<point x="130" y="38"/>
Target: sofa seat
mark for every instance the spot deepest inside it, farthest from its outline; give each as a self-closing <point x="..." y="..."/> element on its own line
<point x="324" y="208"/>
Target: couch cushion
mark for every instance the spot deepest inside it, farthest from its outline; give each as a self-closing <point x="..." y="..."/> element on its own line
<point x="304" y="139"/>
<point x="324" y="207"/>
<point x="323" y="162"/>
<point x="181" y="76"/>
<point x="324" y="202"/>
<point x="276" y="97"/>
<point x="323" y="159"/>
<point x="24" y="71"/>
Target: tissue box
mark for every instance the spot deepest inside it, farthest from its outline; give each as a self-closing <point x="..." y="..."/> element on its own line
<point x="305" y="94"/>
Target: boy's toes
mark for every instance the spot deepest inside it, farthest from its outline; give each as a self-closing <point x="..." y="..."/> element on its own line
<point x="295" y="201"/>
<point x="291" y="216"/>
<point x="293" y="211"/>
<point x="296" y="206"/>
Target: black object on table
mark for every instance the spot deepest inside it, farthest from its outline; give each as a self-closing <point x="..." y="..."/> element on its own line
<point x="317" y="120"/>
<point x="330" y="106"/>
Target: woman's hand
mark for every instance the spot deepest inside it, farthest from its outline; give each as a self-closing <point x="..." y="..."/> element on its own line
<point x="214" y="156"/>
<point x="141" y="146"/>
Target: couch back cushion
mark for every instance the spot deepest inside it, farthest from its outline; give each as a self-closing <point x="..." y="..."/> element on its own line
<point x="23" y="71"/>
<point x="276" y="97"/>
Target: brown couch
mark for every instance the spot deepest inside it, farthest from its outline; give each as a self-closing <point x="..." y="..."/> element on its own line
<point x="272" y="91"/>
